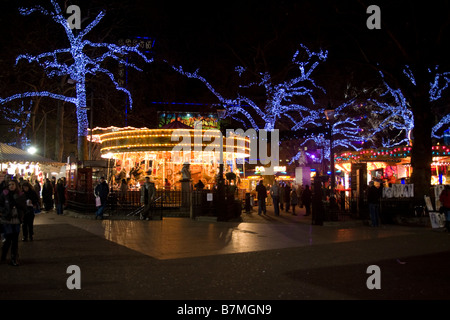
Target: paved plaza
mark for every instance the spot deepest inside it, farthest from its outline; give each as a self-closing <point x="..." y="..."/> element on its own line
<point x="258" y="258"/>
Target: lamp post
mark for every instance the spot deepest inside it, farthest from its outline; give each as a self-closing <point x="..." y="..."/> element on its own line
<point x="221" y="207"/>
<point x="221" y="115"/>
<point x="329" y="114"/>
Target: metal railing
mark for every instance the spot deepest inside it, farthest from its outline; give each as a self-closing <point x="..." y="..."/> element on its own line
<point x="169" y="203"/>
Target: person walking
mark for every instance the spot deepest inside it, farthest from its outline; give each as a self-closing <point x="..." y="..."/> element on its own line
<point x="294" y="200"/>
<point x="340" y="191"/>
<point x="4" y="183"/>
<point x="307" y="199"/>
<point x="53" y="182"/>
<point x="123" y="191"/>
<point x="269" y="201"/>
<point x="299" y="195"/>
<point x="275" y="192"/>
<point x="47" y="195"/>
<point x="261" y="191"/>
<point x="12" y="209"/>
<point x="60" y="196"/>
<point x="282" y="194"/>
<point x="373" y="198"/>
<point x="66" y="194"/>
<point x="37" y="189"/>
<point x="287" y="196"/>
<point x="167" y="187"/>
<point x="148" y="195"/>
<point x="32" y="202"/>
<point x="101" y="191"/>
<point x="444" y="198"/>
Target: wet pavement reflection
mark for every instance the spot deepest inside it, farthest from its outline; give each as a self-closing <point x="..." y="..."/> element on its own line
<point x="173" y="238"/>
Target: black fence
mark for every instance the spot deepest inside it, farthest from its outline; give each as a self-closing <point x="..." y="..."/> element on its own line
<point x="167" y="203"/>
<point x="173" y="203"/>
<point x="352" y="207"/>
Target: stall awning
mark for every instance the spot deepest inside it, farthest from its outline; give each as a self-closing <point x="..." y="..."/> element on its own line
<point x="13" y="154"/>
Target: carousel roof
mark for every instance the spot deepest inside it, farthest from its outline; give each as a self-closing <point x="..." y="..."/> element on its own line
<point x="176" y="125"/>
<point x="13" y="154"/>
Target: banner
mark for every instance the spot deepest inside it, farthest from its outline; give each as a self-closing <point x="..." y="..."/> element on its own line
<point x="399" y="191"/>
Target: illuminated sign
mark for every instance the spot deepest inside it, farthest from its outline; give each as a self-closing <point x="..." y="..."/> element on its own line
<point x="259" y="169"/>
<point x="208" y="120"/>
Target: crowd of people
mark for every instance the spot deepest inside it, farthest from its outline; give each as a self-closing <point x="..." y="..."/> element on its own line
<point x="283" y="196"/>
<point x="20" y="200"/>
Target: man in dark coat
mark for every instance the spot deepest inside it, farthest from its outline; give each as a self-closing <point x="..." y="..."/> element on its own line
<point x="287" y="196"/>
<point x="373" y="198"/>
<point x="261" y="190"/>
<point x="307" y="199"/>
<point x="148" y="195"/>
<point x="47" y="195"/>
<point x="101" y="191"/>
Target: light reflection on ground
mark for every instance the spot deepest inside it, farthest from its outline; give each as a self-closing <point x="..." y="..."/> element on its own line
<point x="173" y="238"/>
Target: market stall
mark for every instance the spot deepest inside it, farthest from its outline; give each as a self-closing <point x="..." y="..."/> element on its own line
<point x="16" y="162"/>
<point x="393" y="165"/>
<point x="391" y="168"/>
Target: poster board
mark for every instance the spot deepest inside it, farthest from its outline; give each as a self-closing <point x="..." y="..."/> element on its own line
<point x="437" y="219"/>
<point x="428" y="203"/>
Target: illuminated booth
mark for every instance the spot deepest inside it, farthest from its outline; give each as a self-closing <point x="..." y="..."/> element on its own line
<point x="19" y="163"/>
<point x="392" y="168"/>
<point x="393" y="165"/>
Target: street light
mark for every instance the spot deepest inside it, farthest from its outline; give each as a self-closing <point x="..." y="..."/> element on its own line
<point x="221" y="207"/>
<point x="32" y="150"/>
<point x="329" y="114"/>
<point x="221" y="115"/>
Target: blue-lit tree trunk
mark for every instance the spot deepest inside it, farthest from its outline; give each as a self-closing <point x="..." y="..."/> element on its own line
<point x="82" y="117"/>
<point x="416" y="94"/>
<point x="421" y="152"/>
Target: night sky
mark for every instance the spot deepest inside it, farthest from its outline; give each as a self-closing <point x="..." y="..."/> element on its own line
<point x="215" y="37"/>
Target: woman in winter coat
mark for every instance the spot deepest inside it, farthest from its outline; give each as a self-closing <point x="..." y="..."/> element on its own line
<point x="32" y="202"/>
<point x="294" y="200"/>
<point x="12" y="209"/>
<point x="47" y="195"/>
<point x="60" y="196"/>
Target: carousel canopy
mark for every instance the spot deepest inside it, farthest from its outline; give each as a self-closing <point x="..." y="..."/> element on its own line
<point x="12" y="154"/>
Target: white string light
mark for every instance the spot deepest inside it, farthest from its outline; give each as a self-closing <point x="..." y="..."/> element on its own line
<point x="81" y="66"/>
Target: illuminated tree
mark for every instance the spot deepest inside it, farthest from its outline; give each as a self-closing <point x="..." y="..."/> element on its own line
<point x="349" y="130"/>
<point x="392" y="116"/>
<point x="396" y="112"/>
<point x="75" y="63"/>
<point x="280" y="100"/>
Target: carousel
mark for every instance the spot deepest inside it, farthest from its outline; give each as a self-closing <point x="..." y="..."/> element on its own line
<point x="160" y="153"/>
